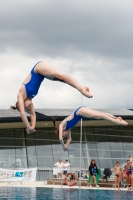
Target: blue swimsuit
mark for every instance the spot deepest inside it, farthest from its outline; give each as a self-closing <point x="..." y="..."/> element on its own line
<point x="33" y="85"/>
<point x="71" y="123"/>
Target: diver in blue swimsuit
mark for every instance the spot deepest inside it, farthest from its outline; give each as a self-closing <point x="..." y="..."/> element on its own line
<point x="31" y="85"/>
<point x="64" y="129"/>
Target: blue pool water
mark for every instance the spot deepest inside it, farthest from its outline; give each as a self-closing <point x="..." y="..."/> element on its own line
<point x="24" y="193"/>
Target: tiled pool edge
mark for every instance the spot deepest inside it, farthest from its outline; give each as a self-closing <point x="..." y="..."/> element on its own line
<point x="42" y="184"/>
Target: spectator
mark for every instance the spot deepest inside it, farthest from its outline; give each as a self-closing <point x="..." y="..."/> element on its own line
<point x="117" y="171"/>
<point x="93" y="170"/>
<point x="132" y="176"/>
<point x="130" y="158"/>
<point x="128" y="173"/>
<point x="59" y="165"/>
<point x="66" y="166"/>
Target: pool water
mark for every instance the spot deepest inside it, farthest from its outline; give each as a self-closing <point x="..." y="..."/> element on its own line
<point x="24" y="193"/>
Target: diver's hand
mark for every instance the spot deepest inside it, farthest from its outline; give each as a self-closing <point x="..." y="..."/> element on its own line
<point x="30" y="130"/>
<point x="86" y="92"/>
<point x="66" y="148"/>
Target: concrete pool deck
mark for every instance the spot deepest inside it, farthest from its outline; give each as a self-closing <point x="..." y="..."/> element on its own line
<point x="43" y="184"/>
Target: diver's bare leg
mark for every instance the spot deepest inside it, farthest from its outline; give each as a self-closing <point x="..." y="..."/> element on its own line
<point x="89" y="113"/>
<point x="53" y="74"/>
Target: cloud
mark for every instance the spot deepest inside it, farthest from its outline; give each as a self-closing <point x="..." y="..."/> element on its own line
<point x="111" y="88"/>
<point x="90" y="40"/>
<point x="58" y="29"/>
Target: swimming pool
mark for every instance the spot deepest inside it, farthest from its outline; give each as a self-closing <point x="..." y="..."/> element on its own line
<point x="24" y="193"/>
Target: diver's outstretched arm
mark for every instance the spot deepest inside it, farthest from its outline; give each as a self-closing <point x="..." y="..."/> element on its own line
<point x="32" y="116"/>
<point x="61" y="136"/>
<point x="22" y="110"/>
<point x="69" y="138"/>
<point x="29" y="129"/>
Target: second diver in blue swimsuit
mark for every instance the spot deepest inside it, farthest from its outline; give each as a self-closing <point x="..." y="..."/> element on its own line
<point x="64" y="129"/>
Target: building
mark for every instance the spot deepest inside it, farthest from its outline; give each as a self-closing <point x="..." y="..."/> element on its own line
<point x="102" y="140"/>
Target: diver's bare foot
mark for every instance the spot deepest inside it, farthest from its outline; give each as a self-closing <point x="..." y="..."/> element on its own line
<point x="86" y="92"/>
<point x="120" y="121"/>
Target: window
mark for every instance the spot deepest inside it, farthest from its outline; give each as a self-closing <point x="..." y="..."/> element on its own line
<point x="42" y="134"/>
<point x="105" y="163"/>
<point x="43" y="148"/>
<point x="91" y="141"/>
<point x="19" y="133"/>
<point x="45" y="162"/>
<point x="21" y="162"/>
<point x="75" y="162"/>
<point x="30" y="147"/>
<point x="104" y="154"/>
<point x="102" y="142"/>
<point x="115" y="143"/>
<point x="117" y="154"/>
<point x="127" y="143"/>
<point x="32" y="161"/>
<point x="58" y="151"/>
<point x="7" y="142"/>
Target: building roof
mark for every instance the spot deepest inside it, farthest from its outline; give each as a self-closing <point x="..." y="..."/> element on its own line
<point x="9" y="115"/>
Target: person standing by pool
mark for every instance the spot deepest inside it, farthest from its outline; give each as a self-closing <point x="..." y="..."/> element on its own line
<point x="117" y="171"/>
<point x="59" y="166"/>
<point x="128" y="173"/>
<point x="93" y="170"/>
<point x="131" y="165"/>
<point x="130" y="158"/>
<point x="31" y="85"/>
<point x="66" y="166"/>
<point x="64" y="129"/>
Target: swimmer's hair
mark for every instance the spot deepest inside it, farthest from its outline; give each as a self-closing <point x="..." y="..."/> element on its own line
<point x="15" y="107"/>
<point x="117" y="162"/>
<point x="54" y="122"/>
<point x="128" y="160"/>
<point x="129" y="156"/>
<point x="92" y="164"/>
